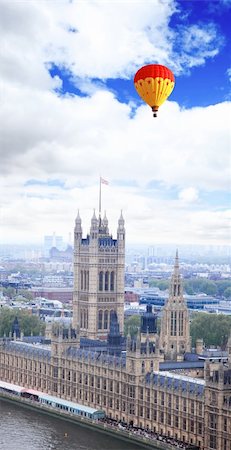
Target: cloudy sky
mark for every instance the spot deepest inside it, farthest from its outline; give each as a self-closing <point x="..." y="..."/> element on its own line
<point x="69" y="113"/>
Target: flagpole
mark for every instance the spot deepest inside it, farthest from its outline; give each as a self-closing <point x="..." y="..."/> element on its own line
<point x="100" y="197"/>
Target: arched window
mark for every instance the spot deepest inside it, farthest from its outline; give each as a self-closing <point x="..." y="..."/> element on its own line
<point x="85" y="319"/>
<point x="81" y="283"/>
<point x="81" y="318"/>
<point x="105" y="320"/>
<point x="112" y="281"/>
<point x="88" y="280"/>
<point x="85" y="280"/>
<point x="100" y="281"/>
<point x="143" y="366"/>
<point x="100" y="320"/>
<point x="106" y="285"/>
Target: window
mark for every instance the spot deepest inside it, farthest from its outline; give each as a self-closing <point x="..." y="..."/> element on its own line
<point x="181" y="323"/>
<point x="155" y="396"/>
<point x="192" y="426"/>
<point x="81" y="284"/>
<point x="105" y="320"/>
<point x="212" y="421"/>
<point x="106" y="283"/>
<point x="173" y="323"/>
<point x="100" y="320"/>
<point x="100" y="281"/>
<point x="212" y="441"/>
<point x="177" y="403"/>
<point x="112" y="281"/>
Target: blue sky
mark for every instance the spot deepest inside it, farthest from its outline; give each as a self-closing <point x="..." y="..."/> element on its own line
<point x="70" y="113"/>
<point x="203" y="85"/>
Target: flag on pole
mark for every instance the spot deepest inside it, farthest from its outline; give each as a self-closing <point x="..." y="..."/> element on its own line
<point x="103" y="181"/>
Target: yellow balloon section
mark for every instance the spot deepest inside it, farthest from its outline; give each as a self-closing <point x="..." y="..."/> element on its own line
<point x="154" y="91"/>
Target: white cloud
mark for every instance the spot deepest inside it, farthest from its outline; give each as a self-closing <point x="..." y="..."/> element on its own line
<point x="229" y="73"/>
<point x="188" y="195"/>
<point x="112" y="39"/>
<point x="195" y="44"/>
<point x="45" y="136"/>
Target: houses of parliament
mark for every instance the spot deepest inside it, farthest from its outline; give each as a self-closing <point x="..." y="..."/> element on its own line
<point x="154" y="381"/>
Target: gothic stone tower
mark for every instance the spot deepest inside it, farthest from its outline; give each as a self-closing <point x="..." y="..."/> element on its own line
<point x="98" y="277"/>
<point x="174" y="336"/>
<point x="217" y="413"/>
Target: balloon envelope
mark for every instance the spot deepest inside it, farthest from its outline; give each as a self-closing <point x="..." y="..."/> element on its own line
<point x="154" y="83"/>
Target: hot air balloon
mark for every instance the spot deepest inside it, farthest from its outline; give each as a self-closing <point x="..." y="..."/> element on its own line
<point x="154" y="83"/>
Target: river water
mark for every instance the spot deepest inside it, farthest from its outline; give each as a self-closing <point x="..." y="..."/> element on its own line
<point x="24" y="429"/>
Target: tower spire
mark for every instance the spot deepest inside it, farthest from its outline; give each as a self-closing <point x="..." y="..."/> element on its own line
<point x="174" y="336"/>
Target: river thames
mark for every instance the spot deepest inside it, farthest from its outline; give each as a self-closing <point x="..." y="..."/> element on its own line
<point x="24" y="429"/>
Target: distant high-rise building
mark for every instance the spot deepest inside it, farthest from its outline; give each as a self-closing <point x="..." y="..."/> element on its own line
<point x="52" y="241"/>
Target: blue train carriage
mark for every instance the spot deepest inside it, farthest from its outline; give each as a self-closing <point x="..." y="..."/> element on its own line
<point x="71" y="407"/>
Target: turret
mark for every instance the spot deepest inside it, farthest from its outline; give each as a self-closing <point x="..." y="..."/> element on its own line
<point x="105" y="223"/>
<point x="78" y="227"/>
<point x="62" y="339"/>
<point x="94" y="227"/>
<point x="16" y="329"/>
<point x="176" y="289"/>
<point x="121" y="229"/>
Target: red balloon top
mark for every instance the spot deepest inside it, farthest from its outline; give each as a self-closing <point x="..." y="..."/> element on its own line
<point x="153" y="71"/>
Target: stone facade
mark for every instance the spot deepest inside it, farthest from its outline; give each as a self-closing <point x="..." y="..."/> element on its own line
<point x="98" y="278"/>
<point x="129" y="387"/>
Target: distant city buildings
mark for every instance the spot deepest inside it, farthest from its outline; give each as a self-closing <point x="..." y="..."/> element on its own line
<point x="52" y="241"/>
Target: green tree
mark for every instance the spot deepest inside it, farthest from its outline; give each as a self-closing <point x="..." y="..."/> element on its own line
<point x="9" y="292"/>
<point x="25" y="293"/>
<point x="131" y="324"/>
<point x="163" y="285"/>
<point x="28" y="323"/>
<point x="214" y="329"/>
<point x="227" y="292"/>
<point x="222" y="285"/>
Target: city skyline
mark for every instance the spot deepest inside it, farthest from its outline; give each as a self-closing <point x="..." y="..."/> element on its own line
<point x="70" y="114"/>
